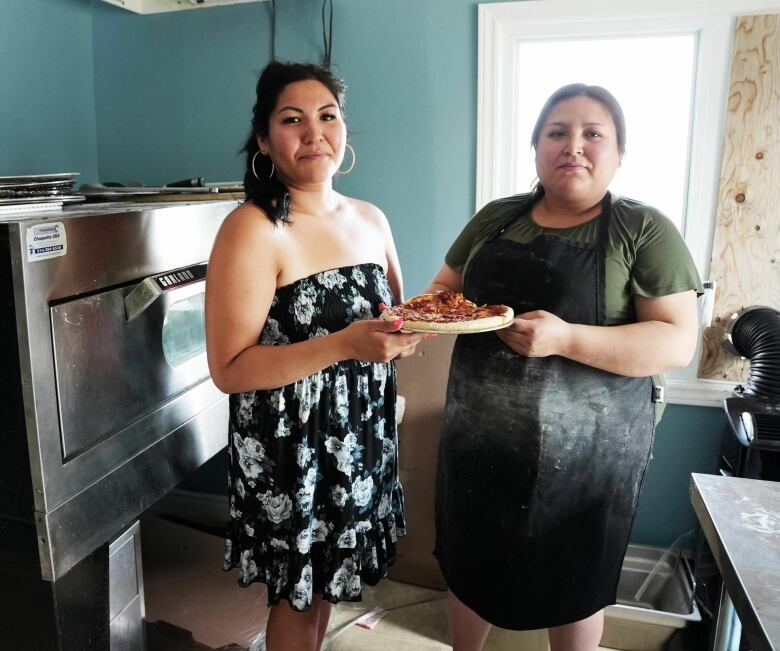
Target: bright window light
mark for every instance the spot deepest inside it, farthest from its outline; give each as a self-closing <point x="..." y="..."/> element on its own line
<point x="651" y="76"/>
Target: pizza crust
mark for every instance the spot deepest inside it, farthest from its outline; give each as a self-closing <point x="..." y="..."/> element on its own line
<point x="484" y="324"/>
<point x="455" y="327"/>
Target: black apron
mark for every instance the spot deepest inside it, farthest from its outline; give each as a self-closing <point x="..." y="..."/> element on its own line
<point x="541" y="460"/>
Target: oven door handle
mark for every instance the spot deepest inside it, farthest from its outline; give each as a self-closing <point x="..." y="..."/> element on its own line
<point x="149" y="289"/>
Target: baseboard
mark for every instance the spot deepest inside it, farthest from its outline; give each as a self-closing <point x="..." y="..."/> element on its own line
<point x="203" y="508"/>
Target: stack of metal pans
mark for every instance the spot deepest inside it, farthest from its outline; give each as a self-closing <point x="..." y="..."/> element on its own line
<point x="38" y="189"/>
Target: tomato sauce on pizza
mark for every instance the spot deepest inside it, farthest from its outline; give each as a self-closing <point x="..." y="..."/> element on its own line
<point x="449" y="311"/>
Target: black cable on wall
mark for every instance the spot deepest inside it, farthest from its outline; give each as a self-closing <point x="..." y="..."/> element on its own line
<point x="273" y="30"/>
<point x="327" y="37"/>
<point x="327" y="31"/>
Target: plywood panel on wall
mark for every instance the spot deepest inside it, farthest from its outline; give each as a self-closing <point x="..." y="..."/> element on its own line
<point x="746" y="247"/>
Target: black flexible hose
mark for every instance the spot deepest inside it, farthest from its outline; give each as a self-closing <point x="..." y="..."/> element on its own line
<point x="755" y="334"/>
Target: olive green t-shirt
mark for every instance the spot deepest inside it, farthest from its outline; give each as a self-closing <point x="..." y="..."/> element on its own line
<point x="646" y="255"/>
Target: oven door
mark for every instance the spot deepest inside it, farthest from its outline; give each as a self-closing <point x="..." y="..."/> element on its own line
<point x="116" y="375"/>
<point x="136" y="407"/>
<point x="118" y="406"/>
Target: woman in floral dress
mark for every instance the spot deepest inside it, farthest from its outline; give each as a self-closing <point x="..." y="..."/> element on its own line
<point x="294" y="286"/>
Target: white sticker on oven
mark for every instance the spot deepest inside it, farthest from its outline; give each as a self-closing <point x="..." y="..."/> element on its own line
<point x="46" y="241"/>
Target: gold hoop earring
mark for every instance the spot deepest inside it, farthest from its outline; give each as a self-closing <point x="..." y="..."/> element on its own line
<point x="273" y="169"/>
<point x="354" y="160"/>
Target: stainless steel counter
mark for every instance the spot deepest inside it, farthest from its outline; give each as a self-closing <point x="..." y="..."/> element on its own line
<point x="741" y="520"/>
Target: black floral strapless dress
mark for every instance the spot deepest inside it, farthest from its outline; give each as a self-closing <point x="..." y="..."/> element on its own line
<point x="315" y="501"/>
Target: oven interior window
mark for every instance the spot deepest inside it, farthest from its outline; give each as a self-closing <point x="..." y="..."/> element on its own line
<point x="184" y="330"/>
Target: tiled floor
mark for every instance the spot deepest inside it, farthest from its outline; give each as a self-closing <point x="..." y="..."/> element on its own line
<point x="185" y="587"/>
<point x="192" y="605"/>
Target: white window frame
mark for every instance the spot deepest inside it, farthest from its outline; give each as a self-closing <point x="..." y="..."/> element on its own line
<point x="502" y="24"/>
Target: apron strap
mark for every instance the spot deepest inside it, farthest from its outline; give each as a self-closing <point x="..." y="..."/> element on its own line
<point x="601" y="256"/>
<point x="520" y="211"/>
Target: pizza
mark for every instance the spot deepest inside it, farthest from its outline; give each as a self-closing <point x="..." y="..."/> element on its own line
<point x="448" y="312"/>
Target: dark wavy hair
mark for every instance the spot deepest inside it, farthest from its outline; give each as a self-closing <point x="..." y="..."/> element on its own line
<point x="600" y="94"/>
<point x="270" y="194"/>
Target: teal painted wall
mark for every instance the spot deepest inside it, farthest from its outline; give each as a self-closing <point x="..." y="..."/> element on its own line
<point x="413" y="113"/>
<point x="174" y="93"/>
<point x="47" y="91"/>
<point x="688" y="439"/>
<point x="168" y="96"/>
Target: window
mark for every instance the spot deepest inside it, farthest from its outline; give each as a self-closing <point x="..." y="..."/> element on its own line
<point x="668" y="64"/>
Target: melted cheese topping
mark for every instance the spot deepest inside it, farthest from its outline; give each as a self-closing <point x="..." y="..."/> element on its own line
<point x="444" y="307"/>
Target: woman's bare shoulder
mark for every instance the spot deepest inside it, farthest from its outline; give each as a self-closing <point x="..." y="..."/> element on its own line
<point x="367" y="211"/>
<point x="250" y="217"/>
<point x="245" y="231"/>
<point x="365" y="208"/>
<point x="247" y="224"/>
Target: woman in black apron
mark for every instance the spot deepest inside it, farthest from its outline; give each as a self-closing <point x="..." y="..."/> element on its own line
<point x="549" y="424"/>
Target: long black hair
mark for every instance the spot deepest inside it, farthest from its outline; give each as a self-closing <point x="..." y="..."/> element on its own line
<point x="262" y="188"/>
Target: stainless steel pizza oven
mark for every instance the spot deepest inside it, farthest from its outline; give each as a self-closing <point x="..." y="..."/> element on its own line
<point x="107" y="404"/>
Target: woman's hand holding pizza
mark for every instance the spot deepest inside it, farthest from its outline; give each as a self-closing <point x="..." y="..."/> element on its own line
<point x="377" y="340"/>
<point x="536" y="334"/>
